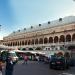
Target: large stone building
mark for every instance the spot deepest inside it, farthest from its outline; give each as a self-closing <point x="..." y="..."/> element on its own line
<point x="1" y="42"/>
<point x="57" y="34"/>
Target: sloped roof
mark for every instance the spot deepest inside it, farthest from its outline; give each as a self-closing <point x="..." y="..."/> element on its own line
<point x="58" y="22"/>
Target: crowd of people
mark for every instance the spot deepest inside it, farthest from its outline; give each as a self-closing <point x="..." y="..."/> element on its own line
<point x="9" y="64"/>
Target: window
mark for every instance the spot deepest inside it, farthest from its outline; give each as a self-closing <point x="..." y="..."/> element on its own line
<point x="60" y="19"/>
<point x="24" y="28"/>
<point x="48" y="22"/>
<point x="39" y="24"/>
<point x="31" y="27"/>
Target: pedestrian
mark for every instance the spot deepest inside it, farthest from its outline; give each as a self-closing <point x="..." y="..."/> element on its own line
<point x="25" y="59"/>
<point x="37" y="57"/>
<point x="0" y="65"/>
<point x="9" y="66"/>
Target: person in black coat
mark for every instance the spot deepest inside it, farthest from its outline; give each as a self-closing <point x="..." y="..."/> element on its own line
<point x="9" y="66"/>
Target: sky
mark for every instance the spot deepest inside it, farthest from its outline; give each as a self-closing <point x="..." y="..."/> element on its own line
<point x="20" y="14"/>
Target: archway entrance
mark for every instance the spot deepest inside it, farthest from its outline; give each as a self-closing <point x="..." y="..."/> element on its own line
<point x="38" y="48"/>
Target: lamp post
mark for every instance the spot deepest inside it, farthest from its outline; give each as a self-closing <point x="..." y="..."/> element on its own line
<point x="0" y="26"/>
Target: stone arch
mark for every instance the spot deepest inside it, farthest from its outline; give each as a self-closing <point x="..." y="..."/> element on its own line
<point x="46" y="40"/>
<point x="36" y="41"/>
<point x="22" y="42"/>
<point x="8" y="44"/>
<point x="41" y="41"/>
<point x="25" y="42"/>
<point x="15" y="43"/>
<point x="30" y="48"/>
<point x="68" y="38"/>
<point x="23" y="49"/>
<point x="38" y="48"/>
<point x="62" y="38"/>
<point x="73" y="37"/>
<point x="29" y="42"/>
<point x="50" y="39"/>
<point x="32" y="42"/>
<point x="55" y="39"/>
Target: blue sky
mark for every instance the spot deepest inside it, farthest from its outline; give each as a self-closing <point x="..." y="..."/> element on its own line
<point x="19" y="14"/>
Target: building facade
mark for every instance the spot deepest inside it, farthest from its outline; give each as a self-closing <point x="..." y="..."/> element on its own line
<point x="1" y="42"/>
<point x="57" y="34"/>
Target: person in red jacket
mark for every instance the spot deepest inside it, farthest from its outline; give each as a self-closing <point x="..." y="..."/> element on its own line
<point x="25" y="59"/>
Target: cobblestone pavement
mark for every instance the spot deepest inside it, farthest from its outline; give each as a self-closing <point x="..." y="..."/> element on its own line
<point x="35" y="68"/>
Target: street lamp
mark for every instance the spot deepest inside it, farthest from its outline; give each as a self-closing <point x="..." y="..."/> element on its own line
<point x="0" y="26"/>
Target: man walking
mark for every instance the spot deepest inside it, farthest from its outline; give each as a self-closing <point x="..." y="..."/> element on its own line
<point x="9" y="66"/>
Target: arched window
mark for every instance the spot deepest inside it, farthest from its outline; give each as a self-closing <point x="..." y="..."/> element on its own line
<point x="55" y="39"/>
<point x="62" y="38"/>
<point x="50" y="39"/>
<point x="73" y="37"/>
<point x="68" y="38"/>
<point x="45" y="40"/>
<point x="41" y="41"/>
